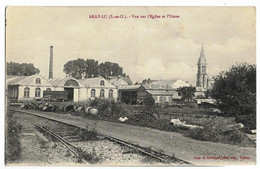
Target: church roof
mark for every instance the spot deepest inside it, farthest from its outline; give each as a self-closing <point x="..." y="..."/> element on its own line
<point x="202" y="59"/>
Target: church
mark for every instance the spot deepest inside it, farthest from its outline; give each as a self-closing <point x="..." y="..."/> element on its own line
<point x="203" y="80"/>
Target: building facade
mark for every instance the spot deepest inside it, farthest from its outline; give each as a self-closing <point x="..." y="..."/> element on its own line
<point x="25" y="88"/>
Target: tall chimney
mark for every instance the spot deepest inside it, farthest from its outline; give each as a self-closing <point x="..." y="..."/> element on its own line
<point x="51" y="63"/>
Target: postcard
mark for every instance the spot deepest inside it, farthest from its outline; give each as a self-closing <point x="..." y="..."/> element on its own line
<point x="130" y="86"/>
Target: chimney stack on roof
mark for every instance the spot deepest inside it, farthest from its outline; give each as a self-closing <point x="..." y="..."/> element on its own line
<point x="51" y="63"/>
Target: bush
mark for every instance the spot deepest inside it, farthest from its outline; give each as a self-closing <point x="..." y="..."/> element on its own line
<point x="149" y="101"/>
<point x="109" y="108"/>
<point x="12" y="147"/>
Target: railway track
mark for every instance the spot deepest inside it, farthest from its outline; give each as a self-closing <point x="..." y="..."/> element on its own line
<point x="66" y="138"/>
<point x="78" y="153"/>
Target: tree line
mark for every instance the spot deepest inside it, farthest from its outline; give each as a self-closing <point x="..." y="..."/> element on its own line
<point x="89" y="68"/>
<point x="78" y="69"/>
<point x="21" y="69"/>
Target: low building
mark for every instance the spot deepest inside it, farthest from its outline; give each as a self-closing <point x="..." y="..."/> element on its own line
<point x="136" y="94"/>
<point x="22" y="88"/>
<point x="131" y="94"/>
<point x="27" y="87"/>
<point x="161" y="93"/>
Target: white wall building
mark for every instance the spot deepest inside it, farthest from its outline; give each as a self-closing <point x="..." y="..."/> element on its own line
<point x="22" y="88"/>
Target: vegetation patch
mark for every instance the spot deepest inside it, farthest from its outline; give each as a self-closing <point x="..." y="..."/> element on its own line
<point x="12" y="146"/>
<point x="91" y="157"/>
<point x="213" y="132"/>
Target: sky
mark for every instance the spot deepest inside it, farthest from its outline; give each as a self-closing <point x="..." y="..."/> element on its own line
<point x="159" y="48"/>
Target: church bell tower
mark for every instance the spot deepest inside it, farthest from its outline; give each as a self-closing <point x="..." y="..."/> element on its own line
<point x="202" y="77"/>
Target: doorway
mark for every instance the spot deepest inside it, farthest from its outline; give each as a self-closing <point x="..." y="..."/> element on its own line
<point x="70" y="93"/>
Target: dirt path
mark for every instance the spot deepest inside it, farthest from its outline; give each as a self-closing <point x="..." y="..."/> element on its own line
<point x="171" y="143"/>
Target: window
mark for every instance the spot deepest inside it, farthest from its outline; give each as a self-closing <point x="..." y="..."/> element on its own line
<point x="110" y="94"/>
<point x="102" y="93"/>
<point x="38" y="81"/>
<point x="203" y="69"/>
<point x="26" y="92"/>
<point x="37" y="92"/>
<point x="93" y="93"/>
<point x="102" y="83"/>
<point x="160" y="99"/>
<point x="48" y="89"/>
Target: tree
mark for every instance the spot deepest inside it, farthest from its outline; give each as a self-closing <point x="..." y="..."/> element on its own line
<point x="235" y="91"/>
<point x="91" y="68"/>
<point x="24" y="69"/>
<point x="110" y="69"/>
<point x="186" y="93"/>
<point x="76" y="68"/>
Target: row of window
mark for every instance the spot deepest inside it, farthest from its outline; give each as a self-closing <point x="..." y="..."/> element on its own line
<point x="102" y="93"/>
<point x="93" y="92"/>
<point x="37" y="92"/>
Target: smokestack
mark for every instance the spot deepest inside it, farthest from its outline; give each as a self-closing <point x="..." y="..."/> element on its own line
<point x="51" y="63"/>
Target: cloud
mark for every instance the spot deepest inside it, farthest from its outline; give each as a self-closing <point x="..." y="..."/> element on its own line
<point x="155" y="69"/>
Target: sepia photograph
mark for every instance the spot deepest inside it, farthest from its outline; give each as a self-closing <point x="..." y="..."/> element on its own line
<point x="130" y="86"/>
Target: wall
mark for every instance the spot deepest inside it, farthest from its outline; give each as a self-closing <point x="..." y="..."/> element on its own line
<point x="32" y="91"/>
<point x="163" y="100"/>
<point x="115" y="93"/>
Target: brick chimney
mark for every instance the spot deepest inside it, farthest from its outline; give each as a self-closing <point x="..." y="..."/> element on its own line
<point x="51" y="63"/>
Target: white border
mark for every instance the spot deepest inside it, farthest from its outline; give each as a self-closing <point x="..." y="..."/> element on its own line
<point x="4" y="3"/>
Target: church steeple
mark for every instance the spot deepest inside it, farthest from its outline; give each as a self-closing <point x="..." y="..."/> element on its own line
<point x="202" y="76"/>
<point x="202" y="59"/>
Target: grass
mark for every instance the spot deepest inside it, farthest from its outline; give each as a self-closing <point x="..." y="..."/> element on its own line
<point x="12" y="146"/>
<point x="159" y="118"/>
<point x="92" y="157"/>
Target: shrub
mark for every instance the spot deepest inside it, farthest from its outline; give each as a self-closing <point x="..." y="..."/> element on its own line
<point x="149" y="101"/>
<point x="109" y="108"/>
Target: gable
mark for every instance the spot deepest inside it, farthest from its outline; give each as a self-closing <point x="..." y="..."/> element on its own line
<point x="96" y="82"/>
<point x="34" y="80"/>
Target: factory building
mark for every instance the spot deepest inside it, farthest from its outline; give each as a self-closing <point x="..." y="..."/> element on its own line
<point x="24" y="88"/>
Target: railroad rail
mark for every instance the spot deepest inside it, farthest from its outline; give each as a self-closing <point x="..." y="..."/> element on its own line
<point x="76" y="151"/>
<point x="160" y="156"/>
<point x="184" y="149"/>
<point x="70" y="147"/>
